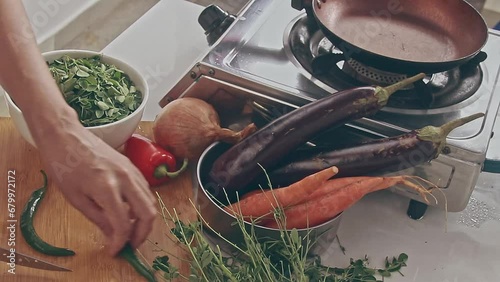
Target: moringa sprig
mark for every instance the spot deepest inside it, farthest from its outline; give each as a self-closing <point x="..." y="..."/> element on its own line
<point x="282" y="260"/>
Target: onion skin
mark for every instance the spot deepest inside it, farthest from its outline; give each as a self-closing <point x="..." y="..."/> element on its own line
<point x="187" y="126"/>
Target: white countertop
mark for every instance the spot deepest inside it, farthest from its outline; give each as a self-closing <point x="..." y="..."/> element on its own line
<point x="163" y="44"/>
<point x="166" y="42"/>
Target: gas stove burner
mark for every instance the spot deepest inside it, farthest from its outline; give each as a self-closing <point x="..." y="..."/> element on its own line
<point x="325" y="62"/>
<point x="369" y="75"/>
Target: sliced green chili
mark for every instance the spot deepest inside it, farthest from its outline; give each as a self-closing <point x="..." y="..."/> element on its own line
<point x="27" y="229"/>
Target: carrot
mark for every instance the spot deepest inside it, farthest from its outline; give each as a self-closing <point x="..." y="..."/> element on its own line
<point x="332" y="185"/>
<point x="264" y="203"/>
<point x="320" y="210"/>
<point x="249" y="194"/>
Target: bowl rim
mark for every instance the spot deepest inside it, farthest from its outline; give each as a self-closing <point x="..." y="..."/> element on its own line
<point x="210" y="198"/>
<point x="89" y="53"/>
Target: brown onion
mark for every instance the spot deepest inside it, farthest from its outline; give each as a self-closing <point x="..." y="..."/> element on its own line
<point x="187" y="126"/>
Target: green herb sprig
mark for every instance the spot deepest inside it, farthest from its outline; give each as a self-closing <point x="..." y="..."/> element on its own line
<point x="282" y="260"/>
<point x="100" y="93"/>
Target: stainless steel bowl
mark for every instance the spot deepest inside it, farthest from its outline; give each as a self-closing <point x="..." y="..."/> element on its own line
<point x="220" y="221"/>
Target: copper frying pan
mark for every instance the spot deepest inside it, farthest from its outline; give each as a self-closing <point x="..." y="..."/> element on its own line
<point x="403" y="36"/>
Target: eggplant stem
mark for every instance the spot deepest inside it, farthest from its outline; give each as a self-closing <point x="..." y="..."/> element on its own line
<point x="437" y="135"/>
<point x="403" y="83"/>
<point x="449" y="126"/>
<point x="383" y="93"/>
<point x="162" y="171"/>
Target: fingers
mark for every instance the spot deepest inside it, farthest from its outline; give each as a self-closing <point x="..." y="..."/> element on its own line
<point x="143" y="184"/>
<point x="115" y="210"/>
<point x="142" y="206"/>
<point x="139" y="202"/>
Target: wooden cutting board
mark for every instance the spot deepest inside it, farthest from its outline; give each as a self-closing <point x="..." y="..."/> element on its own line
<point x="58" y="223"/>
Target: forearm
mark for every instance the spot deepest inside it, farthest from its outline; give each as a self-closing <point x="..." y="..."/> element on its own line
<point x="25" y="75"/>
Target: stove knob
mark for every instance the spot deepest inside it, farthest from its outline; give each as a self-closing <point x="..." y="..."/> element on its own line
<point x="301" y="4"/>
<point x="307" y="6"/>
<point x="416" y="209"/>
<point x="214" y="22"/>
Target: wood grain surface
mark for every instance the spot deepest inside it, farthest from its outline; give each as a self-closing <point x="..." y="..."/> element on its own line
<point x="58" y="223"/>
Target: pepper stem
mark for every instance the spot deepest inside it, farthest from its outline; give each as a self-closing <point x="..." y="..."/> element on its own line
<point x="45" y="181"/>
<point x="437" y="135"/>
<point x="162" y="170"/>
<point x="383" y="93"/>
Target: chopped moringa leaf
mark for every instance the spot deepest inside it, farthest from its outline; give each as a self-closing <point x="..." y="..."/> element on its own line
<point x="100" y="93"/>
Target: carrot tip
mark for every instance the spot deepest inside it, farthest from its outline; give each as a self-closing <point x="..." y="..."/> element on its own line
<point x="406" y="180"/>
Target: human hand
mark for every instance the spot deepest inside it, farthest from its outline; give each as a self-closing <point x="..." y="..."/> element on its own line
<point x="102" y="184"/>
<point x="97" y="180"/>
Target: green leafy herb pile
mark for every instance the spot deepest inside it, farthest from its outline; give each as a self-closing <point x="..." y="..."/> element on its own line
<point x="278" y="260"/>
<point x="100" y="93"/>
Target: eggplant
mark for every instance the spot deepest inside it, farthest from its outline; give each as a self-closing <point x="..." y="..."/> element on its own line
<point x="241" y="164"/>
<point x="379" y="156"/>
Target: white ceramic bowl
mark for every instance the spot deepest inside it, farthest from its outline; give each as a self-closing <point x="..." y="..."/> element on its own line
<point x="114" y="134"/>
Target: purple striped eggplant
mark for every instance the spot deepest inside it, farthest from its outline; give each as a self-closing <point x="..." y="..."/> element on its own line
<point x="244" y="162"/>
<point x="379" y="156"/>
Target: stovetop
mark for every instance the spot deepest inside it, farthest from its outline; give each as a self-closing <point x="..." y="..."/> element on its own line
<point x="252" y="62"/>
<point x="257" y="48"/>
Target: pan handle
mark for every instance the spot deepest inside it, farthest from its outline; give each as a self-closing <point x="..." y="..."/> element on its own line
<point x="474" y="61"/>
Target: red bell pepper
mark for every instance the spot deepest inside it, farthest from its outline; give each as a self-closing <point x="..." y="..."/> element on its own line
<point x="155" y="163"/>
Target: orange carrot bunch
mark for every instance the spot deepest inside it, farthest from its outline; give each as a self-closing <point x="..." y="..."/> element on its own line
<point x="261" y="204"/>
<point x="314" y="199"/>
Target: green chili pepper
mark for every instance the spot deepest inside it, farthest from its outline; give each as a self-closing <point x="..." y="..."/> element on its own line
<point x="28" y="230"/>
<point x="129" y="255"/>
